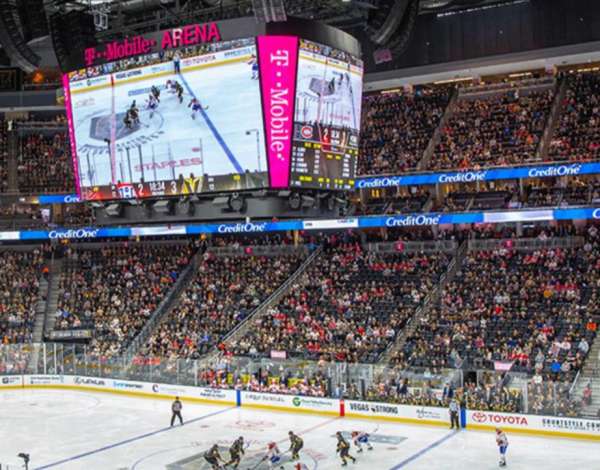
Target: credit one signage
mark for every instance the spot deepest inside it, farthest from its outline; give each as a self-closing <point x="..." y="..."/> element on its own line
<point x="407" y="220"/>
<point x="545" y="171"/>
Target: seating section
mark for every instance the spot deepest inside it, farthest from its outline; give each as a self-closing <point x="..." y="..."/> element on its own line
<point x="114" y="290"/>
<point x="397" y="128"/>
<point x="20" y="274"/>
<point x="349" y="305"/>
<point x="494" y="130"/>
<point x="44" y="164"/>
<point x="531" y="309"/>
<point x="225" y="289"/>
<point x="577" y="136"/>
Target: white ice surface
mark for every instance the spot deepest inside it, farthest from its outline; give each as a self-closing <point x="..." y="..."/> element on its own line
<point x="80" y="430"/>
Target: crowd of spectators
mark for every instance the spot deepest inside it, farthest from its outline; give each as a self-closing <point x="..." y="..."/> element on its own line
<point x="496" y="130"/>
<point x="44" y="164"/>
<point x="397" y="128"/>
<point x="577" y="136"/>
<point x="3" y="157"/>
<point x="20" y="273"/>
<point x="348" y="306"/>
<point x="533" y="310"/>
<point x="115" y="289"/>
<point x="491" y="393"/>
<point x="223" y="292"/>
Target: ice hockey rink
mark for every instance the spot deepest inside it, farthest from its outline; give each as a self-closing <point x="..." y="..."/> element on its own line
<point x="86" y="430"/>
<point x="223" y="135"/>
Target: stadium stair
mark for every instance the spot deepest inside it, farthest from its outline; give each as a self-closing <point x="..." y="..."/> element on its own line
<point x="56" y="267"/>
<point x="427" y="305"/>
<point x="44" y="313"/>
<point x="590" y="374"/>
<point x="165" y="306"/>
<point x="437" y="134"/>
<point x="241" y="329"/>
<point x="553" y="120"/>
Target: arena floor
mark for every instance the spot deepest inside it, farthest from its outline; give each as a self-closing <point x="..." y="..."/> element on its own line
<point x="80" y="430"/>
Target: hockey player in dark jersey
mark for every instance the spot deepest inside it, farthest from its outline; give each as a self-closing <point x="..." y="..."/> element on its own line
<point x="296" y="444"/>
<point x="179" y="91"/>
<point x="155" y="92"/>
<point x="213" y="457"/>
<point x="235" y="452"/>
<point x="343" y="447"/>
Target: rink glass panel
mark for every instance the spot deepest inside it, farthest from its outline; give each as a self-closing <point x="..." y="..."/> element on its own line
<point x="342" y="380"/>
<point x="171" y="149"/>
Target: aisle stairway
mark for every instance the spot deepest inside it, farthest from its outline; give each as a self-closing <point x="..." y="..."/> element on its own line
<point x="427" y="304"/>
<point x="590" y="374"/>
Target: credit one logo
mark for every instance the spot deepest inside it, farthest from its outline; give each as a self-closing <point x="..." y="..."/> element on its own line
<point x="596" y="214"/>
<point x="242" y="228"/>
<point x="379" y="182"/>
<point x="562" y="170"/>
<point x="466" y="177"/>
<point x="78" y="233"/>
<point x="412" y="220"/>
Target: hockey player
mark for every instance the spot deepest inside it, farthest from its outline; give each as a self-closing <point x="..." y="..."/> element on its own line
<point x="296" y="444"/>
<point x="253" y="62"/>
<point x="213" y="457"/>
<point x="196" y="107"/>
<point x="361" y="438"/>
<point x="502" y="442"/>
<point x="151" y="104"/>
<point x="344" y="449"/>
<point x="179" y="91"/>
<point x="273" y="455"/>
<point x="235" y="452"/>
<point x="155" y="92"/>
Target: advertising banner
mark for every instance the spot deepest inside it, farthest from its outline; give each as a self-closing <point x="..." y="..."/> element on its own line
<point x="390" y="411"/>
<point x="11" y="381"/>
<point x="543" y="171"/>
<point x="43" y="380"/>
<point x="549" y="425"/>
<point x="278" y="58"/>
<point x="291" y="403"/>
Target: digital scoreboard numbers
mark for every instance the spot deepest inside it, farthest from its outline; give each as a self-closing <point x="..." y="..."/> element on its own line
<point x="324" y="157"/>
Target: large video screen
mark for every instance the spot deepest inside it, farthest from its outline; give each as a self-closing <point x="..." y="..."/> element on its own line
<point x="327" y="118"/>
<point x="170" y="123"/>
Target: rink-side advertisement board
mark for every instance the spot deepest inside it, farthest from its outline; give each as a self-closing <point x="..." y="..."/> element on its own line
<point x="559" y="426"/>
<point x="394" y="412"/>
<point x="552" y="426"/>
<point x="293" y="403"/>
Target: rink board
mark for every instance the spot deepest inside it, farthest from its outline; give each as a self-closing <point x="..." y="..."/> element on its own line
<point x="549" y="426"/>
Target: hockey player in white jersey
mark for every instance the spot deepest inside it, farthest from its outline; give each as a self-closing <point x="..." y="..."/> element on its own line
<point x="359" y="438"/>
<point x="502" y="442"/>
<point x="151" y="104"/>
<point x="253" y="62"/>
<point x="273" y="456"/>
